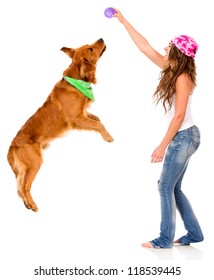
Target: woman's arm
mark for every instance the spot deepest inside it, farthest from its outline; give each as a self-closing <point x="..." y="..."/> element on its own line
<point x="140" y="41"/>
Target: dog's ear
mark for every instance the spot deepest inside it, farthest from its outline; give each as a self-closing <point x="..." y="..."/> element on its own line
<point x="88" y="71"/>
<point x="70" y="52"/>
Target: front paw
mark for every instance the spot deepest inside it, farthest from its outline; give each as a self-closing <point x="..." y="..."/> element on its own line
<point x="109" y="139"/>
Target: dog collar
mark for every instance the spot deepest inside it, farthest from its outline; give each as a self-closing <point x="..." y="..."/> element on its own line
<point x="82" y="86"/>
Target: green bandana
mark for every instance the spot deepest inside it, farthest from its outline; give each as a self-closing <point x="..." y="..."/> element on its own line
<point x="84" y="87"/>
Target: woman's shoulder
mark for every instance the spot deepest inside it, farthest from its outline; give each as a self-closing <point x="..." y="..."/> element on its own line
<point x="184" y="83"/>
<point x="184" y="78"/>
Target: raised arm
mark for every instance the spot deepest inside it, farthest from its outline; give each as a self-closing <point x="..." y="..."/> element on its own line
<point x="140" y="41"/>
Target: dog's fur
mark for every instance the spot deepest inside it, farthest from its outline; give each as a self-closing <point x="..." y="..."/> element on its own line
<point x="64" y="109"/>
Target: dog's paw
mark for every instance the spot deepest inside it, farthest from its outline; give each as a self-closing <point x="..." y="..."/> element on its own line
<point x="31" y="206"/>
<point x="109" y="139"/>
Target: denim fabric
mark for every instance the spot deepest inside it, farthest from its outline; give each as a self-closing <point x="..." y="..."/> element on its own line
<point x="177" y="157"/>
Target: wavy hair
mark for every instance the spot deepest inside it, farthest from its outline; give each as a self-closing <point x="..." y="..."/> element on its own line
<point x="178" y="63"/>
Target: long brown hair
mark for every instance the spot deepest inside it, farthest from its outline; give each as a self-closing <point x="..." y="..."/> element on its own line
<point x="178" y="63"/>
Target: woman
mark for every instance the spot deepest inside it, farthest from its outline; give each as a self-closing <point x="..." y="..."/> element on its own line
<point x="182" y="138"/>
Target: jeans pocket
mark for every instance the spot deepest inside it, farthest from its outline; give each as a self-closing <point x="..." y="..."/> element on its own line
<point x="193" y="148"/>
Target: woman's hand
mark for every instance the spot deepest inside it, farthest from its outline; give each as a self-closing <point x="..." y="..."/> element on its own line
<point x="158" y="154"/>
<point x="118" y="15"/>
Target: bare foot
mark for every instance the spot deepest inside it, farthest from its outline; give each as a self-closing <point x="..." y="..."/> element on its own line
<point x="177" y="242"/>
<point x="147" y="245"/>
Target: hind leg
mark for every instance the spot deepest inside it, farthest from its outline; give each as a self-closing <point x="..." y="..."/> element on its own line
<point x="28" y="160"/>
<point x="24" y="186"/>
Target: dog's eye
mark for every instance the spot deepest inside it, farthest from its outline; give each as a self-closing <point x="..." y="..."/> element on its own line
<point x="91" y="49"/>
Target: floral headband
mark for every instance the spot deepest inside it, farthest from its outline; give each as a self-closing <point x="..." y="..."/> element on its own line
<point x="185" y="44"/>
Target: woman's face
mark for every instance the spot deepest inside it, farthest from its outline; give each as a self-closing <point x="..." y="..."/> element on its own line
<point x="167" y="50"/>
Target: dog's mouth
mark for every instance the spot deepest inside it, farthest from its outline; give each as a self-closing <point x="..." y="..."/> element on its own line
<point x="102" y="44"/>
<point x="103" y="50"/>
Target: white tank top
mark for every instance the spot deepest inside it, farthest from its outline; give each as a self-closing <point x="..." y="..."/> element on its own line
<point x="188" y="119"/>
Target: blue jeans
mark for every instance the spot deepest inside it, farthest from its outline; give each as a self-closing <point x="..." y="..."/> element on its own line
<point x="177" y="157"/>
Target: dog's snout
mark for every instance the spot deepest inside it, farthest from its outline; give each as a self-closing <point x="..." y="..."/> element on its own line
<point x="101" y="40"/>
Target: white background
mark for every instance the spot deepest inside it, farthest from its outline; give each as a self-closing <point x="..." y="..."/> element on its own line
<point x="98" y="201"/>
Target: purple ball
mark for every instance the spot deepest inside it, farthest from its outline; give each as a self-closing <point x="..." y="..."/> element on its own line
<point x="109" y="12"/>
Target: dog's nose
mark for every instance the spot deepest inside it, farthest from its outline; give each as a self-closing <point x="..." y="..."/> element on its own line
<point x="101" y="40"/>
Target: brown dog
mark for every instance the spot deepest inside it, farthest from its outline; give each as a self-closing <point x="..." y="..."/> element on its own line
<point x="64" y="109"/>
